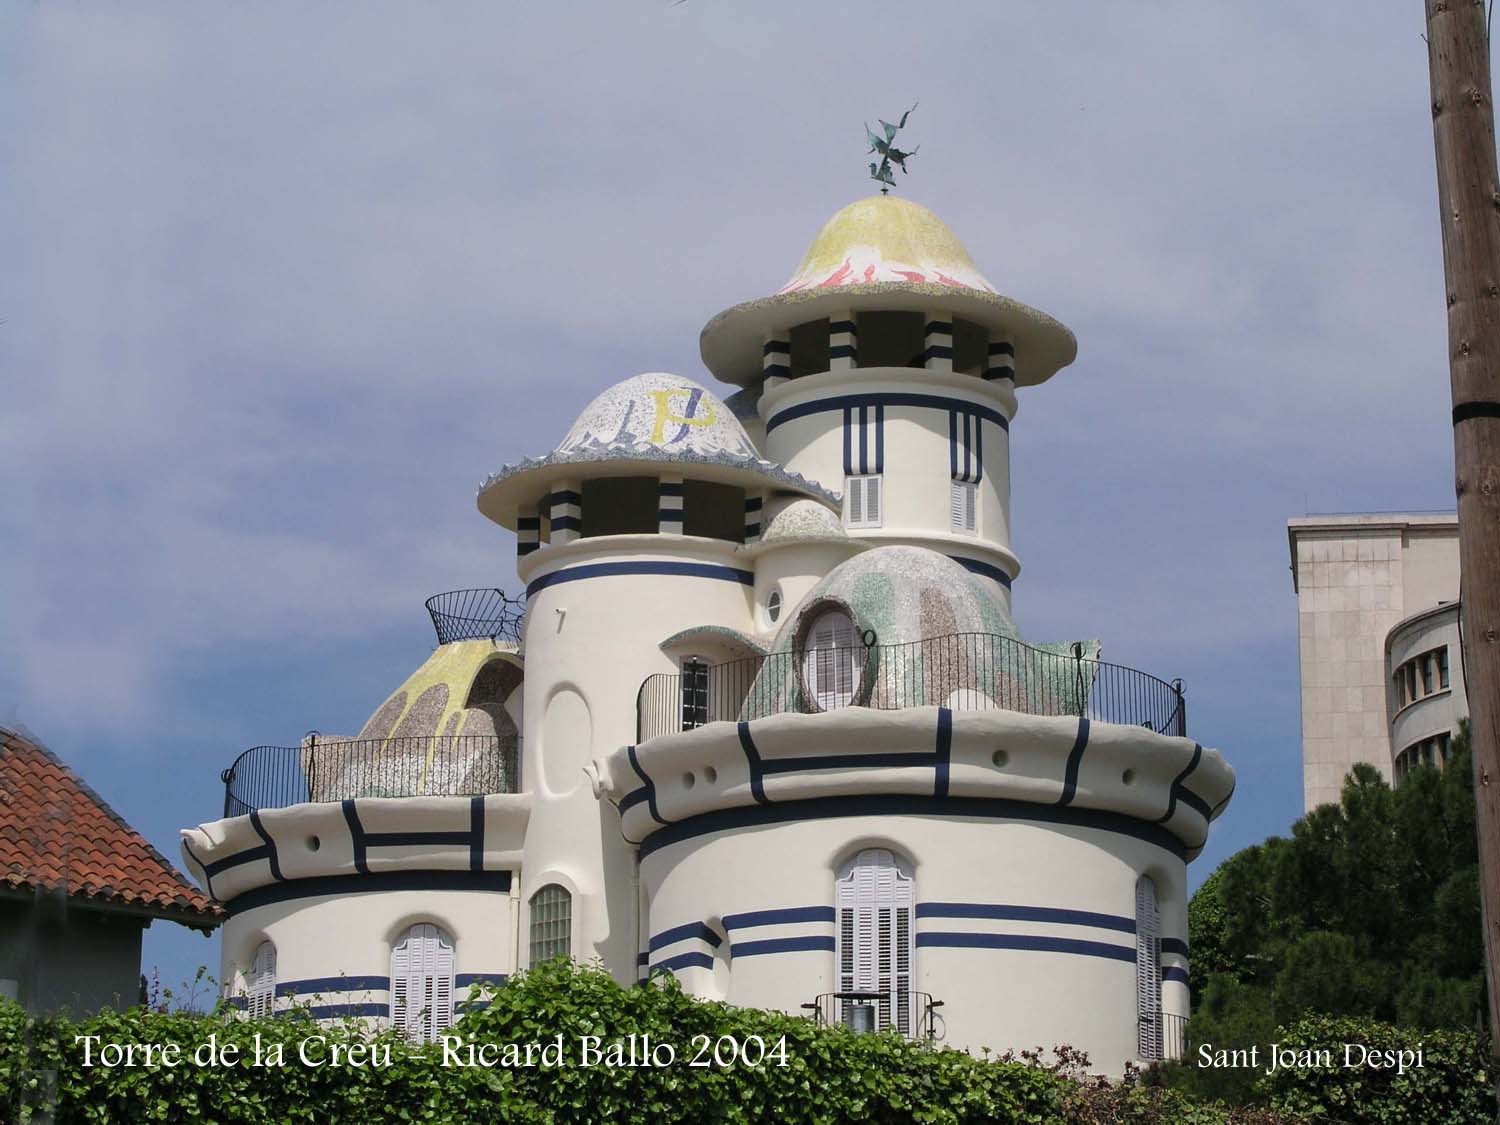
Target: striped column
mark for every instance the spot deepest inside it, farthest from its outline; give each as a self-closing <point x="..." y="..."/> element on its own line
<point x="528" y="535"/>
<point x="669" y="505"/>
<point x="753" y="506"/>
<point x="566" y="507"/>
<point x="1002" y="361"/>
<point x="776" y="358"/>
<point x="937" y="352"/>
<point x="843" y="342"/>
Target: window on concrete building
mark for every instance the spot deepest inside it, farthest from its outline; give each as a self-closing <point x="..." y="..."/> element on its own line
<point x="714" y="511"/>
<point x="1442" y="659"/>
<point x="260" y="982"/>
<point x="694" y="692"/>
<point x="863" y="503"/>
<point x="422" y="983"/>
<point x="1148" y="970"/>
<point x="832" y="660"/>
<point x="875" y="943"/>
<point x="962" y="502"/>
<point x="1421" y="676"/>
<point x="551" y="923"/>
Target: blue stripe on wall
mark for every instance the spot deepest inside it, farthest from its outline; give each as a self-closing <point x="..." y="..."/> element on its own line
<point x="885" y="398"/>
<point x="1174" y="973"/>
<point x="1016" y="913"/>
<point x="684" y="961"/>
<point x="318" y="985"/>
<point x="1028" y="942"/>
<point x="366" y="884"/>
<point x="696" y="931"/>
<point x="983" y="569"/>
<point x="468" y="980"/>
<point x="988" y="808"/>
<point x="1174" y="945"/>
<point x="1075" y="760"/>
<point x="800" y="944"/>
<point x="786" y="915"/>
<point x="613" y="570"/>
<point x="339" y="1011"/>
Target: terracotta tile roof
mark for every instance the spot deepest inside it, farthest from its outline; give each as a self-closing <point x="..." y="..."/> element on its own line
<point x="58" y="836"/>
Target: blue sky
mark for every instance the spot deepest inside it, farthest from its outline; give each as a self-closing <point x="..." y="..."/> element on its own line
<point x="285" y="281"/>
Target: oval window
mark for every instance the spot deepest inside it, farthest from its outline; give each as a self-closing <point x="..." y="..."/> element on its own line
<point x="773" y="606"/>
<point x="832" y="660"/>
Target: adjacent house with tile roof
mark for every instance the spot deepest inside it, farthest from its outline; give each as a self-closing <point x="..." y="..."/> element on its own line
<point x="78" y="886"/>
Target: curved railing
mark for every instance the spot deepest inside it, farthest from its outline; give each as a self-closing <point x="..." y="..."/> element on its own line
<point x="335" y="769"/>
<point x="473" y="615"/>
<point x="913" y="1014"/>
<point x="961" y="671"/>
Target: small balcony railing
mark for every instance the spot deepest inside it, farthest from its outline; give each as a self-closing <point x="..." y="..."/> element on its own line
<point x="1163" y="1037"/>
<point x="913" y="1014"/>
<point x="335" y="769"/>
<point x="476" y="615"/>
<point x="961" y="671"/>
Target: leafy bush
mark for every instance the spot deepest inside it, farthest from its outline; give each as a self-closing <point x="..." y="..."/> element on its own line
<point x="1451" y="1087"/>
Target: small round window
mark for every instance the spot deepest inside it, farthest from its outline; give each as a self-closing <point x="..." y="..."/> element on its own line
<point x="773" y="606"/>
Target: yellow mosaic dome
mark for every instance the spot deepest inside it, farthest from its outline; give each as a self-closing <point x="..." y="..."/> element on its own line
<point x="885" y="253"/>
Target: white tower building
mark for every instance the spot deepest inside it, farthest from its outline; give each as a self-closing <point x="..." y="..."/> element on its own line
<point x="769" y="725"/>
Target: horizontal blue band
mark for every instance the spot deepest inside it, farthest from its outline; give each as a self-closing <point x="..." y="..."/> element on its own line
<point x="1002" y="347"/>
<point x="526" y="548"/>
<point x="1174" y="945"/>
<point x="800" y="944"/>
<point x="937" y="351"/>
<point x="565" y="496"/>
<point x="696" y="931"/>
<point x="753" y="503"/>
<point x="983" y="569"/>
<point x="837" y="326"/>
<point x="777" y="347"/>
<point x="339" y="1011"/>
<point x="886" y="398"/>
<point x="693" y="960"/>
<point x="669" y="488"/>
<point x="669" y="515"/>
<point x="1028" y="942"/>
<point x="469" y="980"/>
<point x="613" y="570"/>
<point x="318" y="985"/>
<point x="841" y="351"/>
<point x="938" y="327"/>
<point x="989" y="808"/>
<point x="366" y="884"/>
<point x="752" y="530"/>
<point x="528" y="523"/>
<point x="892" y="760"/>
<point x="249" y="855"/>
<point x="785" y="915"/>
<point x="566" y="523"/>
<point x="1174" y="973"/>
<point x="1015" y="913"/>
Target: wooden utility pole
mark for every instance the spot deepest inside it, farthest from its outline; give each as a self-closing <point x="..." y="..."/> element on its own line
<point x="1463" y="128"/>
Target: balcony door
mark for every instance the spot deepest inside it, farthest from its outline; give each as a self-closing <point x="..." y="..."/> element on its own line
<point x="875" y="945"/>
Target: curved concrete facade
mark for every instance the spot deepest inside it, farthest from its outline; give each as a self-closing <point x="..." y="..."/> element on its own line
<point x="1437" y="712"/>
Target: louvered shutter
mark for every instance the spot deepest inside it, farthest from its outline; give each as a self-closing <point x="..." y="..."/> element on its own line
<point x="1148" y="970"/>
<point x="961" y="506"/>
<point x="260" y="998"/>
<point x="855" y="487"/>
<point x="422" y="983"/>
<point x="876" y="943"/>
<point x="872" y="501"/>
<point x="831" y="660"/>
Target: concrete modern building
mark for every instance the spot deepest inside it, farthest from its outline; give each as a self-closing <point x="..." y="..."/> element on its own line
<point x="78" y="887"/>
<point x="1377" y="600"/>
<point x="768" y="724"/>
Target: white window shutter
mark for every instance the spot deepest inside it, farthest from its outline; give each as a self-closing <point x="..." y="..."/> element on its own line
<point x="422" y="983"/>
<point x="876" y="940"/>
<point x="962" y="499"/>
<point x="864" y="500"/>
<point x="260" y="1000"/>
<point x="1148" y="970"/>
<point x="872" y="501"/>
<point x="856" y="489"/>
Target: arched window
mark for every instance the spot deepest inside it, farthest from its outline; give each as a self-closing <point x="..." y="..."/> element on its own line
<point x="422" y="983"/>
<point x="551" y="923"/>
<point x="832" y="660"/>
<point x="875" y="944"/>
<point x="1148" y="970"/>
<point x="260" y="982"/>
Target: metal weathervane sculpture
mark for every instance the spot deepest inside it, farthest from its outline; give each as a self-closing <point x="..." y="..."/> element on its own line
<point x="889" y="155"/>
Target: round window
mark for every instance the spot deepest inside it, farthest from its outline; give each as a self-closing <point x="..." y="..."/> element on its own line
<point x="832" y="660"/>
<point x="773" y="606"/>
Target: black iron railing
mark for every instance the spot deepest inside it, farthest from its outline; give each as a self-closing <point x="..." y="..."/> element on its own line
<point x="471" y="615"/>
<point x="962" y="671"/>
<point x="913" y="1014"/>
<point x="334" y="769"/>
<point x="1174" y="1043"/>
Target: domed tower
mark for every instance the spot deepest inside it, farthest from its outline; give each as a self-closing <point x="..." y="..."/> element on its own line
<point x="631" y="534"/>
<point x="886" y="368"/>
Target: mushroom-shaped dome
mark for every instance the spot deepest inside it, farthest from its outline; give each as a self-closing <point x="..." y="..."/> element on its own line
<point x="907" y="627"/>
<point x="666" y="412"/>
<point x="804" y="521"/>
<point x="636" y="426"/>
<point x="885" y="253"/>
